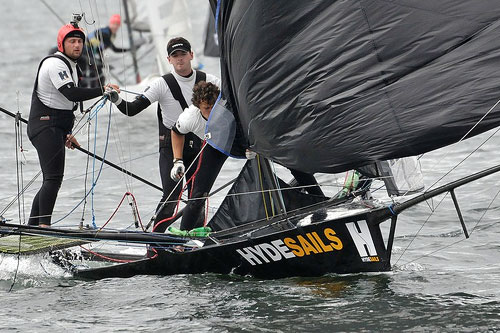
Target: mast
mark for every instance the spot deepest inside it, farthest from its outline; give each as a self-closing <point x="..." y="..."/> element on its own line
<point x="133" y="50"/>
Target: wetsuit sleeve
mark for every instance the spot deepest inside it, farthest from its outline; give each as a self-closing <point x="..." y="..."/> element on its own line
<point x="132" y="108"/>
<point x="176" y="130"/>
<point x="77" y="94"/>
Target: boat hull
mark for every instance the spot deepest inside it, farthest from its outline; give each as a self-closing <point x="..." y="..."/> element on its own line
<point x="350" y="244"/>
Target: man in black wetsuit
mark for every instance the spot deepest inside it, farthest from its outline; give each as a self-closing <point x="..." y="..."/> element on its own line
<point x="194" y="120"/>
<point x="55" y="97"/>
<point x="172" y="92"/>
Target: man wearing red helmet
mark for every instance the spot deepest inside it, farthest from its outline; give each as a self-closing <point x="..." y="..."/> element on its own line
<point x="56" y="95"/>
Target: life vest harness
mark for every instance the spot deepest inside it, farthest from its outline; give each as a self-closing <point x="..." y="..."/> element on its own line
<point x="41" y="116"/>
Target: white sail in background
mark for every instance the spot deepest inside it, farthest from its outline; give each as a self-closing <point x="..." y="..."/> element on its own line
<point x="402" y="176"/>
<point x="139" y="15"/>
<point x="168" y="19"/>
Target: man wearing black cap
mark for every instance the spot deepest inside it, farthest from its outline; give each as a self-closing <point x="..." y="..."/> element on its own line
<point x="172" y="92"/>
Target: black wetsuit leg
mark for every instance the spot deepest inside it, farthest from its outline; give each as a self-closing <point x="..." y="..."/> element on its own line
<point x="167" y="184"/>
<point x="51" y="153"/>
<point x="211" y="164"/>
<point x="307" y="179"/>
<point x="166" y="164"/>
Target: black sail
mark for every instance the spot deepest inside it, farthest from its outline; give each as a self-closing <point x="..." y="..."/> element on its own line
<point x="211" y="48"/>
<point x="326" y="86"/>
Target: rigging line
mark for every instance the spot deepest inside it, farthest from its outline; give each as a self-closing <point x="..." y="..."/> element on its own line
<point x="95" y="156"/>
<point x="86" y="178"/>
<point x="131" y="92"/>
<point x="104" y="168"/>
<point x="120" y="150"/>
<point x="280" y="194"/>
<point x="114" y="212"/>
<point x="121" y="156"/>
<point x="100" y="39"/>
<point x="235" y="194"/>
<point x="16" y="129"/>
<point x="468" y="155"/>
<point x="463" y="138"/>
<point x="209" y="195"/>
<point x="90" y="115"/>
<point x="421" y="227"/>
<point x="131" y="42"/>
<point x="119" y="146"/>
<point x="262" y="187"/>
<point x="108" y="72"/>
<point x="184" y="187"/>
<point x="19" y="194"/>
<point x="418" y="167"/>
<point x="121" y="35"/>
<point x="21" y="149"/>
<point x="144" y="54"/>
<point x="97" y="178"/>
<point x="179" y="182"/>
<point x="93" y="166"/>
<point x="205" y="221"/>
<point x="125" y="146"/>
<point x="90" y="45"/>
<point x="87" y="42"/>
<point x="128" y="144"/>
<point x="94" y="226"/>
<point x="460" y="240"/>
<point x="53" y="11"/>
<point x="105" y="257"/>
<point x="227" y="232"/>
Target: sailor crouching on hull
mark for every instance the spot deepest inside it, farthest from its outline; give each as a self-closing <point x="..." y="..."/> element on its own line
<point x="55" y="97"/>
<point x="194" y="120"/>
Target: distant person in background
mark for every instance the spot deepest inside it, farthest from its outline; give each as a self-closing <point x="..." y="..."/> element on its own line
<point x="103" y="38"/>
<point x="56" y="95"/>
<point x="98" y="41"/>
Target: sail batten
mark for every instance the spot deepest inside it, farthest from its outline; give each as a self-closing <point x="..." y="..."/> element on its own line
<point x="325" y="86"/>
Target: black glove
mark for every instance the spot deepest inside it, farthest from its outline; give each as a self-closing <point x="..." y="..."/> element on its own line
<point x="113" y="96"/>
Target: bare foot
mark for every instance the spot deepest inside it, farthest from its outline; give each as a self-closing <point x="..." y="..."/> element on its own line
<point x="44" y="225"/>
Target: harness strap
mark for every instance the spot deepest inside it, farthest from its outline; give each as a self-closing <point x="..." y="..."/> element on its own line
<point x="174" y="87"/>
<point x="78" y="72"/>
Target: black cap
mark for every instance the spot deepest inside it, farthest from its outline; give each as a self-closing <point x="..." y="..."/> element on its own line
<point x="75" y="33"/>
<point x="178" y="44"/>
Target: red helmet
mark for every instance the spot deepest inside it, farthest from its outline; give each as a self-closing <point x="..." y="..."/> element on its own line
<point x="116" y="18"/>
<point x="66" y="31"/>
